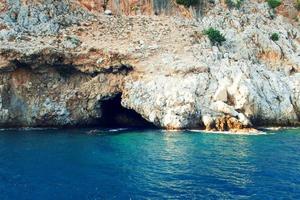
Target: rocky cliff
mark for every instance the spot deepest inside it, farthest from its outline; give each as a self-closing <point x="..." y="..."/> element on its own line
<point x="63" y="63"/>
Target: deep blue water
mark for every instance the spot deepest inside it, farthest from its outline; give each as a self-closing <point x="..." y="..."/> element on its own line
<point x="153" y="164"/>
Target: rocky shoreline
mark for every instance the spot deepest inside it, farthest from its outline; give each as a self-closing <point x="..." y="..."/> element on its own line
<point x="88" y="69"/>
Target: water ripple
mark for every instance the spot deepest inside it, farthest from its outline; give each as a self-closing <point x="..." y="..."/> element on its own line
<point x="133" y="164"/>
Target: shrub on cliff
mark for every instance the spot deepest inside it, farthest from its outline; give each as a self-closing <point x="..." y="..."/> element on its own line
<point x="297" y="4"/>
<point x="215" y="36"/>
<point x="234" y="3"/>
<point x="274" y="3"/>
<point x="187" y="3"/>
<point x="274" y="37"/>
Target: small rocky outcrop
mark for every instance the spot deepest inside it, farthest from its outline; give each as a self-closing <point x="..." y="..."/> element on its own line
<point x="165" y="68"/>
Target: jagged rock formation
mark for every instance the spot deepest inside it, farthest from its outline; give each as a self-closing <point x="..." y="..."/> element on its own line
<point x="42" y="17"/>
<point x="147" y="7"/>
<point x="164" y="67"/>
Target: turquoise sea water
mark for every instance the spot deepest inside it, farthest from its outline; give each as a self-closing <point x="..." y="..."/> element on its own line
<point x="152" y="164"/>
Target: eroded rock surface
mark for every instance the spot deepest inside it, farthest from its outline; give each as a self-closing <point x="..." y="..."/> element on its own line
<point x="165" y="68"/>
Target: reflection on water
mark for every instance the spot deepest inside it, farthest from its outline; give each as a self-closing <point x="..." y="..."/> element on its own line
<point x="153" y="164"/>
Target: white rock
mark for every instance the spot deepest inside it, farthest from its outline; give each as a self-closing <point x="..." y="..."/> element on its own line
<point x="220" y="106"/>
<point x="108" y="12"/>
<point x="208" y="121"/>
<point x="243" y="119"/>
<point x="221" y="94"/>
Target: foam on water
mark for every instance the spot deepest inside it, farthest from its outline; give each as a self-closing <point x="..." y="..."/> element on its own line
<point x="230" y="132"/>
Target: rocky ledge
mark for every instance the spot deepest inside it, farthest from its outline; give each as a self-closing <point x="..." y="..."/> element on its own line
<point x="87" y="69"/>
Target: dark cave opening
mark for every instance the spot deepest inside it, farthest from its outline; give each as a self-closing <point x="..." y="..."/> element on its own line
<point x="114" y="115"/>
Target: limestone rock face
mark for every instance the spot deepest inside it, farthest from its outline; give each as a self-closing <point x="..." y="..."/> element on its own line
<point x="246" y="78"/>
<point x="49" y="86"/>
<point x="39" y="17"/>
<point x="165" y="68"/>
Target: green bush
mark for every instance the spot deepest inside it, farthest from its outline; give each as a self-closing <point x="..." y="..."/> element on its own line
<point x="274" y="3"/>
<point x="215" y="36"/>
<point x="187" y="3"/>
<point x="274" y="37"/>
<point x="234" y="3"/>
<point x="297" y="4"/>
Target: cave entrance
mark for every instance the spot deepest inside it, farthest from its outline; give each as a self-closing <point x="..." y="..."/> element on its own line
<point x="114" y="115"/>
